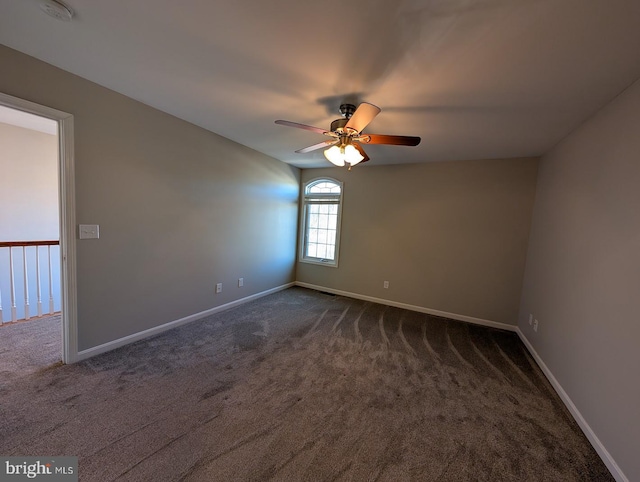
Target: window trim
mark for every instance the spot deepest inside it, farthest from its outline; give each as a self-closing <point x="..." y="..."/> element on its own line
<point x="303" y="222"/>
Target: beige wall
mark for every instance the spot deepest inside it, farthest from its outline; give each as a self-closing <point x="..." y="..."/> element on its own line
<point x="448" y="236"/>
<point x="583" y="273"/>
<point x="28" y="184"/>
<point x="179" y="208"/>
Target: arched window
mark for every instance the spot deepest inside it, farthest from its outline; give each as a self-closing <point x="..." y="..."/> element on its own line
<point x="320" y="234"/>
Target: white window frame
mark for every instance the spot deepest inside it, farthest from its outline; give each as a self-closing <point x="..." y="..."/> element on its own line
<point x="304" y="215"/>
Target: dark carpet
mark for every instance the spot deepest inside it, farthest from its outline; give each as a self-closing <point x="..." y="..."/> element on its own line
<point x="27" y="346"/>
<point x="298" y="386"/>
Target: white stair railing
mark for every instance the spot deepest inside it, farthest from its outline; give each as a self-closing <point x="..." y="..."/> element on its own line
<point x="24" y="276"/>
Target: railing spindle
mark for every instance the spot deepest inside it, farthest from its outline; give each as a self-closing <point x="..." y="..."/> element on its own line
<point x="38" y="288"/>
<point x="50" y="282"/>
<point x="14" y="316"/>
<point x="1" y="318"/>
<point x="26" y="283"/>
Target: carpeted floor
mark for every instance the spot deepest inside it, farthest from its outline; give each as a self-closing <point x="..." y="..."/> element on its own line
<point x="28" y="346"/>
<point x="298" y="386"/>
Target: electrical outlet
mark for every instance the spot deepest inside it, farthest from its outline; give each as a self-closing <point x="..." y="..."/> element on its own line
<point x="240" y="282"/>
<point x="535" y="325"/>
<point x="219" y="288"/>
<point x="385" y="284"/>
<point x="530" y="318"/>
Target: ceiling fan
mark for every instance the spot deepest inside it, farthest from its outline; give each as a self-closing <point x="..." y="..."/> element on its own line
<point x="345" y="147"/>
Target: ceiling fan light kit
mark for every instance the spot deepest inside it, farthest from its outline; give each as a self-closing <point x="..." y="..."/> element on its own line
<point x="344" y="148"/>
<point x="343" y="155"/>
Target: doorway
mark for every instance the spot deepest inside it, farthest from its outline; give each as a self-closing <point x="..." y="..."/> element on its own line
<point x="42" y="258"/>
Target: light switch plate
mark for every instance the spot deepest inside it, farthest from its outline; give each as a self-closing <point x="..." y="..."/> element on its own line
<point x="89" y="231"/>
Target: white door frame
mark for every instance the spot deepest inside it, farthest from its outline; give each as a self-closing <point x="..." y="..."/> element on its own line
<point x="67" y="209"/>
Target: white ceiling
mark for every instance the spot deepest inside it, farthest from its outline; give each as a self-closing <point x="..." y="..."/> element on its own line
<point x="475" y="79"/>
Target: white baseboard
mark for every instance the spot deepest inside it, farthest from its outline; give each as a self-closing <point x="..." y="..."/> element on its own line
<point x="429" y="311"/>
<point x="112" y="345"/>
<point x="591" y="436"/>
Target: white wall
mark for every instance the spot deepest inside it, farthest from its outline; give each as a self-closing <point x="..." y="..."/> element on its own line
<point x="28" y="184"/>
<point x="582" y="278"/>
<point x="28" y="212"/>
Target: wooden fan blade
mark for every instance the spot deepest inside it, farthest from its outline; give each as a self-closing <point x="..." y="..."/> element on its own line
<point x="364" y="114"/>
<point x="302" y="126"/>
<point x="320" y="145"/>
<point x="361" y="151"/>
<point x="393" y="140"/>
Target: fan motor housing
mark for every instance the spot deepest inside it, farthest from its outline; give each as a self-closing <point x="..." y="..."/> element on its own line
<point x="338" y="125"/>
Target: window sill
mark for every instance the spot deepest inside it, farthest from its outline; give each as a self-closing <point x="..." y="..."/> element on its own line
<point x="318" y="261"/>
